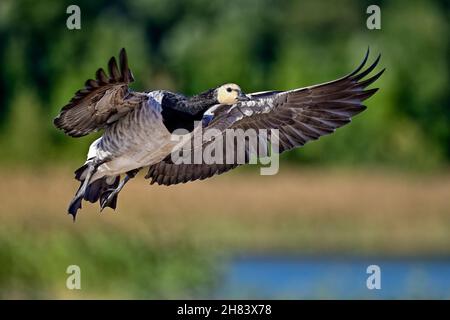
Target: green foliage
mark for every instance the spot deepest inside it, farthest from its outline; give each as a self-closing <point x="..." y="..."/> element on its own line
<point x="190" y="46"/>
<point x="111" y="263"/>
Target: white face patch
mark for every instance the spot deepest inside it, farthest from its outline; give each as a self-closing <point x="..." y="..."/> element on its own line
<point x="228" y="93"/>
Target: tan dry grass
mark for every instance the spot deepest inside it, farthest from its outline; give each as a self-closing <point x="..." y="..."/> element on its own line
<point x="300" y="210"/>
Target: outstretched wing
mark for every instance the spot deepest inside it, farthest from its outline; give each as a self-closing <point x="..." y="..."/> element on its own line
<point x="300" y="115"/>
<point x="101" y="102"/>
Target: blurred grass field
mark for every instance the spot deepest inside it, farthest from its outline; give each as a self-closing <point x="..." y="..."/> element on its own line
<point x="168" y="242"/>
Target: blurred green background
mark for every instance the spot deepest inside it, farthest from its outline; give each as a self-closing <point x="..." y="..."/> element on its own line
<point x="378" y="186"/>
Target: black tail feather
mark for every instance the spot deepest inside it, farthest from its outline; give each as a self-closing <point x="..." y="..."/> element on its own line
<point x="95" y="191"/>
<point x="98" y="187"/>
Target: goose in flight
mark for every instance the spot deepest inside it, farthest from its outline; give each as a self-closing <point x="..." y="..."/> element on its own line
<point x="138" y="126"/>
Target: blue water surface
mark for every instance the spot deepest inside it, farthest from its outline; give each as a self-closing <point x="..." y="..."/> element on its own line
<point x="334" y="277"/>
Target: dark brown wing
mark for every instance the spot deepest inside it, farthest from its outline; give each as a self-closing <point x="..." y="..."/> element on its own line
<point x="300" y="115"/>
<point x="101" y="102"/>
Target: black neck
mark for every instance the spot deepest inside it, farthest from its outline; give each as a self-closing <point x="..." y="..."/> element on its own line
<point x="179" y="111"/>
<point x="194" y="105"/>
<point x="200" y="102"/>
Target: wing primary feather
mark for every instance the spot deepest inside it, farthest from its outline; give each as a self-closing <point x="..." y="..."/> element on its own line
<point x="90" y="84"/>
<point x="363" y="63"/>
<point x="366" y="94"/>
<point x="367" y="71"/>
<point x="368" y="82"/>
<point x="101" y="76"/>
<point x="113" y="70"/>
<point x="125" y="70"/>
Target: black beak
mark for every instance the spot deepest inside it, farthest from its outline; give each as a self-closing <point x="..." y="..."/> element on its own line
<point x="242" y="97"/>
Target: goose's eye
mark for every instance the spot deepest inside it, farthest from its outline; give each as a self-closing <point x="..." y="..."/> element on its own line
<point x="229" y="89"/>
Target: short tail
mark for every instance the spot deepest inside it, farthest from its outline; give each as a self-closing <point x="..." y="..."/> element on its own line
<point x="101" y="188"/>
<point x="95" y="191"/>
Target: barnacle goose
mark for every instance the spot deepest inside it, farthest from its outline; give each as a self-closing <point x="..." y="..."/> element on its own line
<point x="137" y="126"/>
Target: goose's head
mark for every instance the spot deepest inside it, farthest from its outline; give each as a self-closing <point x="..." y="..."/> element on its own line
<point x="230" y="93"/>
